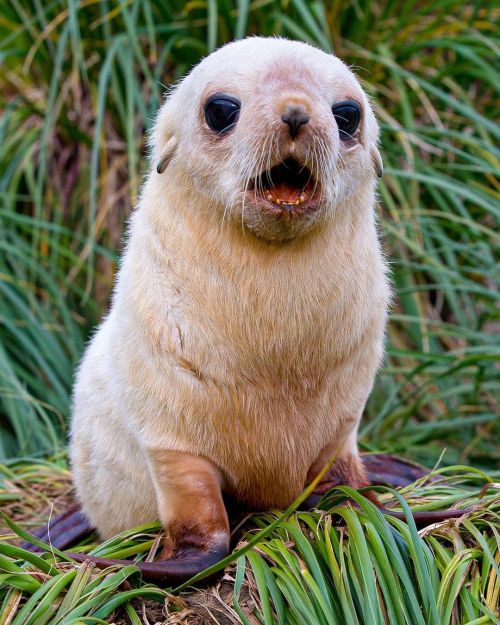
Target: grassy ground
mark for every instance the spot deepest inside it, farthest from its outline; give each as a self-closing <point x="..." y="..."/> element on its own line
<point x="343" y="565"/>
<point x="79" y="84"/>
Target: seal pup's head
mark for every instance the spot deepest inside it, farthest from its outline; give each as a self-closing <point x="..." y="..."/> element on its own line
<point x="272" y="133"/>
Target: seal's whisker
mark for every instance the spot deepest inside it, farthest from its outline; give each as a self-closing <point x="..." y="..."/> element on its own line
<point x="315" y="165"/>
<point x="248" y="177"/>
<point x="234" y="163"/>
<point x="268" y="168"/>
<point x="265" y="153"/>
<point x="326" y="164"/>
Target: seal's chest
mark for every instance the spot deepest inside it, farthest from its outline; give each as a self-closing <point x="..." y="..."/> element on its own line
<point x="271" y="473"/>
<point x="265" y="439"/>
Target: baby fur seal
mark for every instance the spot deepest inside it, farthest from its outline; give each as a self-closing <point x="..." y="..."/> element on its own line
<point x="247" y="322"/>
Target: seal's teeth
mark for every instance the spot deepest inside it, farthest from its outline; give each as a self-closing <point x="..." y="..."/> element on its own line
<point x="285" y="202"/>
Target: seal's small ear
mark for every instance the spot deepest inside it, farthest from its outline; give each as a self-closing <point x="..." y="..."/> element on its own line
<point x="166" y="155"/>
<point x="377" y="161"/>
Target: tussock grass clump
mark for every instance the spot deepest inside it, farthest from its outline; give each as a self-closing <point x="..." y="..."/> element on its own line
<point x="347" y="564"/>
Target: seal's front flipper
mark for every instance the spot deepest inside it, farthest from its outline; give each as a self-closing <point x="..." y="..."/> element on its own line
<point x="346" y="471"/>
<point x="190" y="506"/>
<point x="367" y="470"/>
<point x="170" y="572"/>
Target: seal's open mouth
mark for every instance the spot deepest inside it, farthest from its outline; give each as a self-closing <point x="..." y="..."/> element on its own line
<point x="288" y="186"/>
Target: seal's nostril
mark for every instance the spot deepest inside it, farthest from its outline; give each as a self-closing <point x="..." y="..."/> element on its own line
<point x="295" y="117"/>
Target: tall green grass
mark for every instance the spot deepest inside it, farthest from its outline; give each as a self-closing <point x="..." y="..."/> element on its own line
<point x="80" y="82"/>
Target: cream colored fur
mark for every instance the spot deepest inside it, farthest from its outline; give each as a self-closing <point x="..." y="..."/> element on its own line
<point x="232" y="334"/>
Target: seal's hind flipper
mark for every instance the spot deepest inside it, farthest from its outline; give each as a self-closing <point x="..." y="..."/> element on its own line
<point x="63" y="531"/>
<point x="383" y="469"/>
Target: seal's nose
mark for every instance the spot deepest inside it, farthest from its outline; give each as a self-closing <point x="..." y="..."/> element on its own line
<point x="295" y="116"/>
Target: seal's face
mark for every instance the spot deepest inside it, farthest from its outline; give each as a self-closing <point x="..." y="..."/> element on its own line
<point x="275" y="133"/>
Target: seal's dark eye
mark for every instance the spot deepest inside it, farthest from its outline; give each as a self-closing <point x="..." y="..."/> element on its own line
<point x="347" y="115"/>
<point x="221" y="112"/>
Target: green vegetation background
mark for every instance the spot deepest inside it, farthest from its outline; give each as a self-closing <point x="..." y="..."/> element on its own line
<point x="80" y="81"/>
